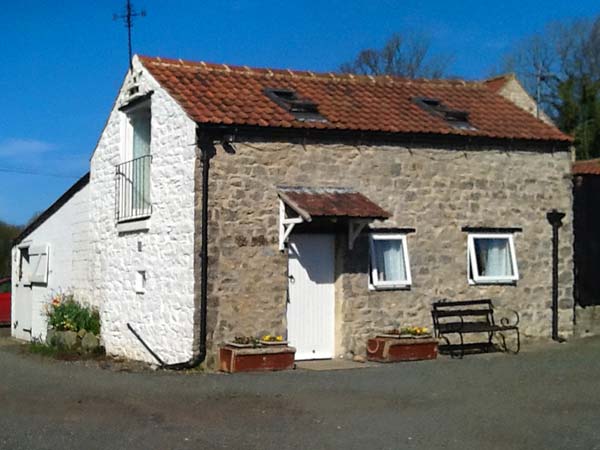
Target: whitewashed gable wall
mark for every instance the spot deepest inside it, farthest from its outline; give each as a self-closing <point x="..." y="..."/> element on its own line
<point x="163" y="315"/>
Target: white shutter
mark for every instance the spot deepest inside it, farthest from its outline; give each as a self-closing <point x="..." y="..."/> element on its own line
<point x="38" y="261"/>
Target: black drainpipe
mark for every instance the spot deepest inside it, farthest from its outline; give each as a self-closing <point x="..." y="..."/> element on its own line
<point x="207" y="151"/>
<point x="555" y="218"/>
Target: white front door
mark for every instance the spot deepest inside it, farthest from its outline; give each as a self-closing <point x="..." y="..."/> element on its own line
<point x="311" y="307"/>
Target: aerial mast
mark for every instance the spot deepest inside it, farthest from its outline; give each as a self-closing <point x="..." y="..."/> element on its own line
<point x="127" y="17"/>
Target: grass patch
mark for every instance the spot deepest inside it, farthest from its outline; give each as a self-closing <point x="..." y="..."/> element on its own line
<point x="38" y="348"/>
<point x="59" y="353"/>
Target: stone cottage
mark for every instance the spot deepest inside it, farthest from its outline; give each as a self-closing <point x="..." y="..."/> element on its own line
<point x="335" y="206"/>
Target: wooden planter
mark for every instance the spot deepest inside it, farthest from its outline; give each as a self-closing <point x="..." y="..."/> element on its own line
<point x="270" y="358"/>
<point x="390" y="349"/>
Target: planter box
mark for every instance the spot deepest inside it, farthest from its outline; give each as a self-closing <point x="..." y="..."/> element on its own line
<point x="277" y="357"/>
<point x="388" y="349"/>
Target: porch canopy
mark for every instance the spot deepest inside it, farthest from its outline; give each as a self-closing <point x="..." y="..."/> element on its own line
<point x="306" y="203"/>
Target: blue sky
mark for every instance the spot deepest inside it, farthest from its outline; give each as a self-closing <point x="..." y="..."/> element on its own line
<point x="63" y="61"/>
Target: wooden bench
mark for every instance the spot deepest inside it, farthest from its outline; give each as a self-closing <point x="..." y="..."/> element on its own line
<point x="458" y="318"/>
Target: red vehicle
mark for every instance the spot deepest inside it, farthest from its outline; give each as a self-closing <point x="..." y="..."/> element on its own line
<point x="5" y="287"/>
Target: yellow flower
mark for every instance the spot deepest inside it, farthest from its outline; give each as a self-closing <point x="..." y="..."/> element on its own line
<point x="279" y="338"/>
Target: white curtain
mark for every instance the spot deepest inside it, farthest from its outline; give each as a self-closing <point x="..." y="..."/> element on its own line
<point x="493" y="257"/>
<point x="389" y="255"/>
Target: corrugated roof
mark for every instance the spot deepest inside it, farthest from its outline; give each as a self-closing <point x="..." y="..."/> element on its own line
<point x="230" y="95"/>
<point x="311" y="202"/>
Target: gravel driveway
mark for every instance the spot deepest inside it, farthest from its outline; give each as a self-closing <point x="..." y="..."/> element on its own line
<point x="545" y="398"/>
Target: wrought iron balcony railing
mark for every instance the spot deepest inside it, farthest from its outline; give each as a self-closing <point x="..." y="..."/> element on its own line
<point x="133" y="189"/>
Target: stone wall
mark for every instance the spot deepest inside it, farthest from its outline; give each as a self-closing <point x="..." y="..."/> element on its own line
<point x="514" y="91"/>
<point x="164" y="314"/>
<point x="436" y="191"/>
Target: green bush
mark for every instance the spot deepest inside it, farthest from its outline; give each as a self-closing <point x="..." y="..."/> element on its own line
<point x="66" y="314"/>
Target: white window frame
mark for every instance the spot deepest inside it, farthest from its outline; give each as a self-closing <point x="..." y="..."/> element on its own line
<point x="24" y="273"/>
<point x="472" y="269"/>
<point x="130" y="114"/>
<point x="374" y="282"/>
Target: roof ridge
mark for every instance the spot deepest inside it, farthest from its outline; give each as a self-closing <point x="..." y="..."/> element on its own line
<point x="314" y="75"/>
<point x="503" y="76"/>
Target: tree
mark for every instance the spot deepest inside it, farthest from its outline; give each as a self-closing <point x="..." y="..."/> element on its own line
<point x="560" y="67"/>
<point x="7" y="234"/>
<point x="402" y="55"/>
<point x="579" y="112"/>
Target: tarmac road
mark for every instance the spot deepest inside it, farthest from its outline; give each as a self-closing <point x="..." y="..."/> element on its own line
<point x="543" y="398"/>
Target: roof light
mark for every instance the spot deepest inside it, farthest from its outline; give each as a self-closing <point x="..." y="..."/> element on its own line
<point x="302" y="109"/>
<point x="455" y="118"/>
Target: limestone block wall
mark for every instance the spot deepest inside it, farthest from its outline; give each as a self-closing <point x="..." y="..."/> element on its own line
<point x="163" y="315"/>
<point x="514" y="91"/>
<point x="437" y="191"/>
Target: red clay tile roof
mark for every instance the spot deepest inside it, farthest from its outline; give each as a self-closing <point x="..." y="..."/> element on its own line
<point x="330" y="202"/>
<point x="497" y="83"/>
<point x="587" y="167"/>
<point x="228" y="95"/>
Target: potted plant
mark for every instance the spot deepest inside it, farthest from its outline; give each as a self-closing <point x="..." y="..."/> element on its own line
<point x="405" y="344"/>
<point x="249" y="353"/>
<point x="244" y="342"/>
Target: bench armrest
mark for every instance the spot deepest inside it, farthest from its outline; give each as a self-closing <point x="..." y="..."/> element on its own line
<point x="505" y="317"/>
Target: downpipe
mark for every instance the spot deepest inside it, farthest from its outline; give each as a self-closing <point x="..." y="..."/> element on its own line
<point x="207" y="151"/>
<point x="555" y="219"/>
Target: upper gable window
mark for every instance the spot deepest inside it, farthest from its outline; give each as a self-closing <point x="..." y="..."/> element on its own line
<point x="140" y="133"/>
<point x="455" y="118"/>
<point x="302" y="109"/>
<point x="133" y="174"/>
<point x="390" y="264"/>
<point x="492" y="258"/>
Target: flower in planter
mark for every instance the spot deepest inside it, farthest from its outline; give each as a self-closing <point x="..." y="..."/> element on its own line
<point x="415" y="331"/>
<point x="270" y="338"/>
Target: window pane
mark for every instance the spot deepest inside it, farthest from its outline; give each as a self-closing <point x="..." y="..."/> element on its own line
<point x="141" y="167"/>
<point x="389" y="257"/>
<point x="141" y="135"/>
<point x="493" y="257"/>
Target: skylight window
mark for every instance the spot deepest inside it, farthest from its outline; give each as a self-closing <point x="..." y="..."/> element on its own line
<point x="456" y="118"/>
<point x="302" y="109"/>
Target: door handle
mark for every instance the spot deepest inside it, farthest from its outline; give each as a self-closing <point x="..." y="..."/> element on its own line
<point x="292" y="279"/>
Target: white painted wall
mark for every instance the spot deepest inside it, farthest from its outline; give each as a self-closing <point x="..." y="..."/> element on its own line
<point x="163" y="315"/>
<point x="65" y="232"/>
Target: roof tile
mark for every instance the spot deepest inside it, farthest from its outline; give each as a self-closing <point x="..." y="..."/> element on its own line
<point x="586" y="167"/>
<point x="224" y="94"/>
<point x="331" y="202"/>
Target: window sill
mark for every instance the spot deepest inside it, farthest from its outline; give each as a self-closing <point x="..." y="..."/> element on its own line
<point x="398" y="287"/>
<point x="141" y="224"/>
<point x="493" y="283"/>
